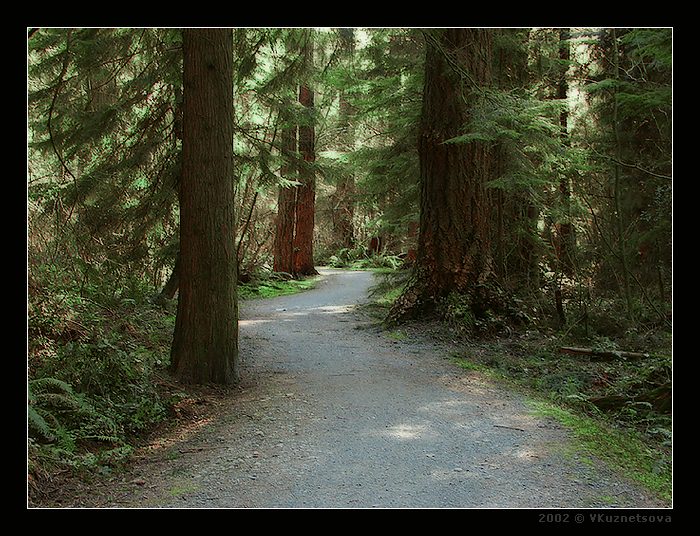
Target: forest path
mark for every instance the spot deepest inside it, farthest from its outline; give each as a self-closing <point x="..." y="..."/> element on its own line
<point x="336" y="413"/>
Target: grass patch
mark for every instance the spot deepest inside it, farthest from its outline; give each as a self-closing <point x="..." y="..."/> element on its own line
<point x="272" y="288"/>
<point x="471" y="366"/>
<point x="559" y="391"/>
<point x="179" y="490"/>
<point x="388" y="289"/>
<point x="621" y="448"/>
<point x="397" y="335"/>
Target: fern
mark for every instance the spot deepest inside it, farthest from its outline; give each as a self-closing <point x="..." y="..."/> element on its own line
<point x="43" y="384"/>
<point x="37" y="423"/>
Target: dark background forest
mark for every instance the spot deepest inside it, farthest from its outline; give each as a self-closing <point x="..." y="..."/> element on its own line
<point x="510" y="184"/>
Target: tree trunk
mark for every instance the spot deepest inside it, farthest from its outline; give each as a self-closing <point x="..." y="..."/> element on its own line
<point x="205" y="343"/>
<point x="453" y="243"/>
<point x="170" y="289"/>
<point x="286" y="208"/>
<point x="344" y="210"/>
<point x="617" y="187"/>
<point x="306" y="192"/>
<point x="565" y="228"/>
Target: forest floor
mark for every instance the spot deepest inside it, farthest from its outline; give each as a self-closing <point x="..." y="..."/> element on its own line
<point x="334" y="412"/>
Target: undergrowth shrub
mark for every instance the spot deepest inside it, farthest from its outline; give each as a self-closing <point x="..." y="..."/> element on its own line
<point x="358" y="259"/>
<point x="93" y="354"/>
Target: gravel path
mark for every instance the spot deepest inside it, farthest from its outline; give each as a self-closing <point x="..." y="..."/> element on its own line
<point x="335" y="413"/>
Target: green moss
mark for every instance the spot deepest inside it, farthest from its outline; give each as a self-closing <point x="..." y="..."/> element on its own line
<point x="594" y="436"/>
<point x="272" y="288"/>
<point x="397" y="335"/>
<point x="183" y="489"/>
<point x="620" y="448"/>
<point x="470" y="365"/>
<point x="388" y="298"/>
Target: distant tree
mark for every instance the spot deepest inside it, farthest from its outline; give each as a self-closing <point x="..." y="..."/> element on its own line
<point x="630" y="198"/>
<point x="283" y="253"/>
<point x="293" y="248"/>
<point x="380" y="98"/>
<point x="205" y="343"/>
<point x="306" y="192"/>
<point x="344" y="209"/>
<point x="454" y="252"/>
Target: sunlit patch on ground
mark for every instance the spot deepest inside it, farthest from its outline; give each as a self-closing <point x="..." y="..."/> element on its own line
<point x="406" y="431"/>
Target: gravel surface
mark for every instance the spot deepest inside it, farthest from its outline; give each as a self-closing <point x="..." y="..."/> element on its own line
<point x="335" y="413"/>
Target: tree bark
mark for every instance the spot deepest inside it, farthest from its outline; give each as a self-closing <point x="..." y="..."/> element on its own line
<point x="565" y="228"/>
<point x="286" y="208"/>
<point x="170" y="288"/>
<point x="453" y="243"/>
<point x="205" y="343"/>
<point x="306" y="192"/>
<point x="344" y="210"/>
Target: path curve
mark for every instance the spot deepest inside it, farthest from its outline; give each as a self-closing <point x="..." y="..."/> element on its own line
<point x="335" y="413"/>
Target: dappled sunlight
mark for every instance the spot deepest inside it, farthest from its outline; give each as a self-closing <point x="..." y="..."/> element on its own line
<point x="287" y="314"/>
<point x="334" y="309"/>
<point x="253" y="322"/>
<point x="186" y="430"/>
<point x="526" y="453"/>
<point x="406" y="431"/>
<point x="324" y="309"/>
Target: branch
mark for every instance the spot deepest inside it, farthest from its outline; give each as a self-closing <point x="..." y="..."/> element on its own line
<point x="247" y="224"/>
<point x="64" y="69"/>
<point x="633" y="166"/>
<point x="604" y="354"/>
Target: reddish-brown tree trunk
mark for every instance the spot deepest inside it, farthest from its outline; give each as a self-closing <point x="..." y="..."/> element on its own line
<point x="306" y="192"/>
<point x="453" y="243"/>
<point x="205" y="342"/>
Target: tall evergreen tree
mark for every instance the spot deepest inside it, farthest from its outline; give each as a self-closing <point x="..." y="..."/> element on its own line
<point x="454" y="252"/>
<point x="104" y="146"/>
<point x="205" y="343"/>
<point x="283" y="249"/>
<point x="293" y="246"/>
<point x="629" y="199"/>
<point x="306" y="192"/>
<point x="343" y="198"/>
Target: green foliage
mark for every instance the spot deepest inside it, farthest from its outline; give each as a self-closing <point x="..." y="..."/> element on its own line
<point x="93" y="356"/>
<point x="383" y="88"/>
<point x="272" y="285"/>
<point x="359" y="259"/>
<point x="104" y="143"/>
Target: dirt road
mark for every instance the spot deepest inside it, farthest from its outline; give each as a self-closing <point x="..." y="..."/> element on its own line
<point x="336" y="413"/>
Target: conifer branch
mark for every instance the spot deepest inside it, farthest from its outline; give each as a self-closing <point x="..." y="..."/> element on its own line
<point x="59" y="84"/>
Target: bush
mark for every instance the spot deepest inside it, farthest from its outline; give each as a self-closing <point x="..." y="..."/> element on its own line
<point x="93" y="355"/>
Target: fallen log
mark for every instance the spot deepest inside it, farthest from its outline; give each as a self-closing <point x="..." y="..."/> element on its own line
<point x="604" y="354"/>
<point x="659" y="398"/>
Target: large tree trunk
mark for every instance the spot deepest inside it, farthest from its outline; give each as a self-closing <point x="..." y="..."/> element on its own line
<point x="306" y="192"/>
<point x="205" y="344"/>
<point x="453" y="243"/>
